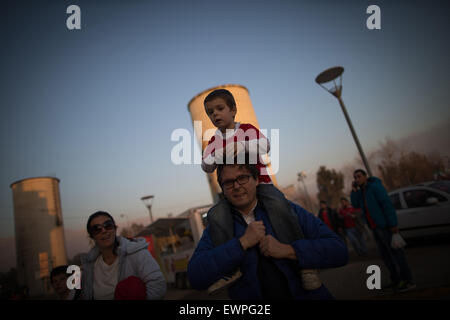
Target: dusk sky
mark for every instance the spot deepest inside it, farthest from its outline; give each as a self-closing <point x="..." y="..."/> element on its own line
<point x="96" y="107"/>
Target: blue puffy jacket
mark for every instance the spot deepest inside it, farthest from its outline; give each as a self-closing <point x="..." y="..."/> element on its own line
<point x="321" y="248"/>
<point x="380" y="206"/>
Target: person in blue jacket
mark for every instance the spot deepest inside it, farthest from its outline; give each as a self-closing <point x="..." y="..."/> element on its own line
<point x="379" y="213"/>
<point x="269" y="268"/>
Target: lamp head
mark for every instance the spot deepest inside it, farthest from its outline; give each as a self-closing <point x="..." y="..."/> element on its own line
<point x="329" y="75"/>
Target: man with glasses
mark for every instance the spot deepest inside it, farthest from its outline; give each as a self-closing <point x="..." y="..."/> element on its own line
<point x="269" y="267"/>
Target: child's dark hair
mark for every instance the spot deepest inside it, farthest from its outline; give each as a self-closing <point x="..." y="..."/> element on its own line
<point x="224" y="94"/>
<point x="58" y="270"/>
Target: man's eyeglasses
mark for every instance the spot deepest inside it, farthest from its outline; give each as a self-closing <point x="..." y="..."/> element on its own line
<point x="229" y="184"/>
<point x="97" y="228"/>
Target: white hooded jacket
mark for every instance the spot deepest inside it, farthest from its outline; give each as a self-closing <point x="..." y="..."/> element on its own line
<point x="134" y="260"/>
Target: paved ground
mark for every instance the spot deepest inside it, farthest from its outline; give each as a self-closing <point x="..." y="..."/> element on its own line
<point x="430" y="266"/>
<point x="429" y="260"/>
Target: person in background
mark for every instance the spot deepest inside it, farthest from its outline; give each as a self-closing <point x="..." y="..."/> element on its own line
<point x="369" y="194"/>
<point x="58" y="279"/>
<point x="348" y="214"/>
<point x="331" y="218"/>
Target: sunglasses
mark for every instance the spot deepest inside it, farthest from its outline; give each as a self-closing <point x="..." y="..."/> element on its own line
<point x="97" y="228"/>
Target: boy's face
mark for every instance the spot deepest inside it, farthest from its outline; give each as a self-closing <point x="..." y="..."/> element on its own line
<point x="220" y="113"/>
<point x="59" y="283"/>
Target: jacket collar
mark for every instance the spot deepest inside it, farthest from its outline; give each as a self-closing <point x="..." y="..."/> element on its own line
<point x="125" y="247"/>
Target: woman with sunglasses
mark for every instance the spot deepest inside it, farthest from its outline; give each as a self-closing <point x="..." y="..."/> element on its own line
<point x="115" y="260"/>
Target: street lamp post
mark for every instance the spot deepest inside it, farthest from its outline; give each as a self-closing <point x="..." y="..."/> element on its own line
<point x="331" y="75"/>
<point x="301" y="177"/>
<point x="148" y="201"/>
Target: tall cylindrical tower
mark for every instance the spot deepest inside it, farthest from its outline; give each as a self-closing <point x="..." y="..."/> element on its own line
<point x="245" y="114"/>
<point x="40" y="244"/>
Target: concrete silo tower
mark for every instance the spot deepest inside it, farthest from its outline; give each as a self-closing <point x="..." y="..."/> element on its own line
<point x="245" y="114"/>
<point x="40" y="244"/>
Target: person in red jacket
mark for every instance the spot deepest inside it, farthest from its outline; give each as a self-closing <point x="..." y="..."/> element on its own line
<point x="348" y="214"/>
<point x="331" y="218"/>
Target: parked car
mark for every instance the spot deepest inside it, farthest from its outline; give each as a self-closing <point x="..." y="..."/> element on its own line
<point x="423" y="209"/>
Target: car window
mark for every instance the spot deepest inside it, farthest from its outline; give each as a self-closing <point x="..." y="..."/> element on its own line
<point x="418" y="198"/>
<point x="395" y="198"/>
<point x="441" y="185"/>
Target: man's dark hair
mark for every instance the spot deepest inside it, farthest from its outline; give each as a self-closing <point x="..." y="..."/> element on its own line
<point x="254" y="171"/>
<point x="224" y="94"/>
<point x="361" y="171"/>
<point x="58" y="270"/>
<point x="323" y="201"/>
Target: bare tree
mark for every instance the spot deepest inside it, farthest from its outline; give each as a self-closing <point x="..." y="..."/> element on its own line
<point x="297" y="195"/>
<point x="398" y="167"/>
<point x="330" y="184"/>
